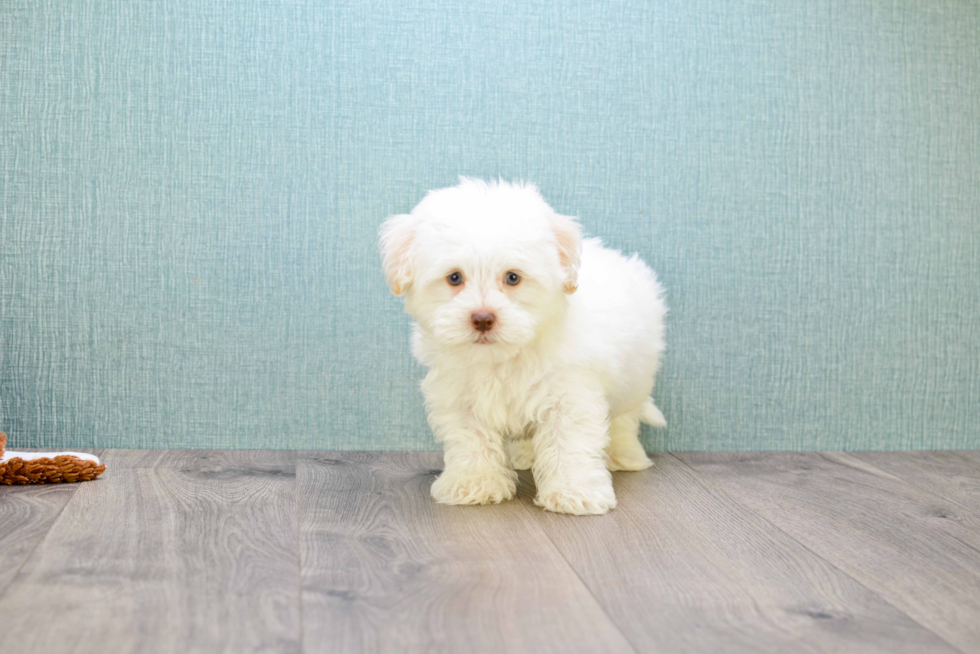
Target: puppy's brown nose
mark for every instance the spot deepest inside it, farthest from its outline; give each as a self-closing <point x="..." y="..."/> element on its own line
<point x="483" y="321"/>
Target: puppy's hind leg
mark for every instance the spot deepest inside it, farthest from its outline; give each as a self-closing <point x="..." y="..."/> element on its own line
<point x="625" y="451"/>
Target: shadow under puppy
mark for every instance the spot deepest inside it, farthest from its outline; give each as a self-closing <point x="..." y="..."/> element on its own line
<point x="542" y="348"/>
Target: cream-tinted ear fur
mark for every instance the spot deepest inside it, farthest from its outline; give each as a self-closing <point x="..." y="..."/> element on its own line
<point x="569" y="237"/>
<point x="397" y="240"/>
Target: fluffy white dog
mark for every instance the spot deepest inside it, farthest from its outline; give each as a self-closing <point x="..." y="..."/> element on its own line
<point x="542" y="348"/>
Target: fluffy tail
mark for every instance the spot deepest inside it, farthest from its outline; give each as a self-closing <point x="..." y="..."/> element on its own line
<point x="651" y="415"/>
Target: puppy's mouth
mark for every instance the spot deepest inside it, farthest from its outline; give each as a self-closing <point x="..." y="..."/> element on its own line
<point x="485" y="339"/>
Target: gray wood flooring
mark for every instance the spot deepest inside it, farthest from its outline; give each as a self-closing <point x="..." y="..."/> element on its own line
<point x="259" y="551"/>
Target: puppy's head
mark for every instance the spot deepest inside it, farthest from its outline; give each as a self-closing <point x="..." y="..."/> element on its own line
<point x="482" y="265"/>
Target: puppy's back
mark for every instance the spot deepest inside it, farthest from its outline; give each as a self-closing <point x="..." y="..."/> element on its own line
<point x="615" y="323"/>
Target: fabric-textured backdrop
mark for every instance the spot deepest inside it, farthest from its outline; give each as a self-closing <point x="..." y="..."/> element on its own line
<point x="190" y="192"/>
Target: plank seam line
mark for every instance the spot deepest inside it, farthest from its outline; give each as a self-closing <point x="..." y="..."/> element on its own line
<point x="534" y="518"/>
<point x="905" y="480"/>
<point x="16" y="575"/>
<point x="806" y="547"/>
<point x="299" y="551"/>
<point x="836" y="459"/>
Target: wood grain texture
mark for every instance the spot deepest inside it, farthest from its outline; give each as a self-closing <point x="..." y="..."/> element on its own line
<point x="387" y="570"/>
<point x="201" y="551"/>
<point x="680" y="567"/>
<point x="196" y="552"/>
<point x="953" y="474"/>
<point x="917" y="550"/>
<point x="26" y="515"/>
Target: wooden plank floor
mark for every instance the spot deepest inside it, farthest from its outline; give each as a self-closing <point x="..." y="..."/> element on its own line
<point x="917" y="550"/>
<point x="255" y="551"/>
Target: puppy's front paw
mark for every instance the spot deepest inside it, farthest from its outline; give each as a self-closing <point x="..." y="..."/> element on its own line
<point x="593" y="501"/>
<point x="474" y="487"/>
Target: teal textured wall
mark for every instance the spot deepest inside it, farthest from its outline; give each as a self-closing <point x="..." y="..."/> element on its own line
<point x="190" y="192"/>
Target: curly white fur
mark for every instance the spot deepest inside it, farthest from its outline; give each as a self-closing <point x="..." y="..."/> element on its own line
<point x="562" y="380"/>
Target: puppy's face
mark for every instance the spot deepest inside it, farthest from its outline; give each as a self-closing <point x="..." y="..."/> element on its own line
<point x="482" y="266"/>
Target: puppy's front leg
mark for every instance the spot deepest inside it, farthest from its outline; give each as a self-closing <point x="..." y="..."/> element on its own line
<point x="476" y="468"/>
<point x="569" y="461"/>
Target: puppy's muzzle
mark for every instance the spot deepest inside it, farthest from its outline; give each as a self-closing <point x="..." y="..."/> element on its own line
<point x="483" y="320"/>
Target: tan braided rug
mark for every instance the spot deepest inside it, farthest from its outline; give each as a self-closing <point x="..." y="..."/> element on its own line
<point x="46" y="467"/>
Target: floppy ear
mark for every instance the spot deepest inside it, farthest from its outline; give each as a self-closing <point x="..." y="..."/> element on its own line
<point x="568" y="236"/>
<point x="397" y="240"/>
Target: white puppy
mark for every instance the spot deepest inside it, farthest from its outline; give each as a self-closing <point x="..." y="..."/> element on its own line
<point x="542" y="348"/>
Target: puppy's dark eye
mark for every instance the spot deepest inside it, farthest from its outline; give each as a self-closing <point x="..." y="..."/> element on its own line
<point x="512" y="278"/>
<point x="455" y="279"/>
